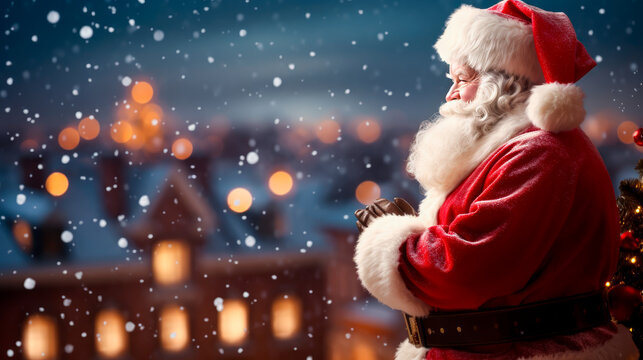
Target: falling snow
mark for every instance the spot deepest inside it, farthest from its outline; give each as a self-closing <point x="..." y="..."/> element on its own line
<point x="218" y="303"/>
<point x="144" y="201"/>
<point x="86" y="32"/>
<point x="122" y="243"/>
<point x="53" y="16"/>
<point x="250" y="241"/>
<point x="29" y="283"/>
<point x="126" y="81"/>
<point x="243" y="82"/>
<point x="66" y="236"/>
<point x="252" y="158"/>
<point x="159" y="35"/>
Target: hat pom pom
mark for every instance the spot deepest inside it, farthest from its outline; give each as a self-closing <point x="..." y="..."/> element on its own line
<point x="556" y="107"/>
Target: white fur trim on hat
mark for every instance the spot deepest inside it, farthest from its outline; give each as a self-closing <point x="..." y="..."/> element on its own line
<point x="377" y="256"/>
<point x="486" y="41"/>
<point x="556" y="107"/>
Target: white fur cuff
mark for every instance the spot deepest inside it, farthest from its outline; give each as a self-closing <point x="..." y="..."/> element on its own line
<point x="408" y="351"/>
<point x="377" y="255"/>
<point x="556" y="107"/>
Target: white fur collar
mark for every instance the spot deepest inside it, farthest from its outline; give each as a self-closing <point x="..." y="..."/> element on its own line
<point x="454" y="171"/>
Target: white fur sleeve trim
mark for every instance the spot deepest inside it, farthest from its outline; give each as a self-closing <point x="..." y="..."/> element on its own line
<point x="408" y="351"/>
<point x="377" y="255"/>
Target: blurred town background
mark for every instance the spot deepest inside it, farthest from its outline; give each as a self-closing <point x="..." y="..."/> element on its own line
<point x="178" y="179"/>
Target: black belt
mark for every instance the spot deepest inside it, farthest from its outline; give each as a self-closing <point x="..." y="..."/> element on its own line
<point x="517" y="323"/>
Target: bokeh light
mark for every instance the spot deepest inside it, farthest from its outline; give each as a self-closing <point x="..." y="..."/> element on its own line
<point x="154" y="144"/>
<point x="625" y="131"/>
<point x="137" y="140"/>
<point x="127" y="111"/>
<point x="239" y="200"/>
<point x="23" y="235"/>
<point x="600" y="128"/>
<point x="280" y="183"/>
<point x="328" y="131"/>
<point x="368" y="130"/>
<point x="182" y="148"/>
<point x="142" y="92"/>
<point x="121" y="132"/>
<point x="367" y="192"/>
<point x="88" y="128"/>
<point x="57" y="184"/>
<point x="68" y="138"/>
<point x="29" y="145"/>
<point x="151" y="116"/>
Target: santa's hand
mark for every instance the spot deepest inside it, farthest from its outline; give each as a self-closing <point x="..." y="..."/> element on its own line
<point x="406" y="208"/>
<point x="382" y="207"/>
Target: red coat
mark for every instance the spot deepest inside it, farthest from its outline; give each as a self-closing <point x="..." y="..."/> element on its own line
<point x="535" y="219"/>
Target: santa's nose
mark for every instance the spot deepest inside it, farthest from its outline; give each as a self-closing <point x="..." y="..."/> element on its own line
<point x="453" y="94"/>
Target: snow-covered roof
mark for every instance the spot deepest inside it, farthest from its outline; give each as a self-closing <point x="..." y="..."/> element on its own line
<point x="81" y="211"/>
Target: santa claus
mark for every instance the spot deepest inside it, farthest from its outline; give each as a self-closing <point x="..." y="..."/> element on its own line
<point x="518" y="232"/>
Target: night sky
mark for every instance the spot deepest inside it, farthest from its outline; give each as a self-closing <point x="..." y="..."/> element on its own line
<point x="209" y="58"/>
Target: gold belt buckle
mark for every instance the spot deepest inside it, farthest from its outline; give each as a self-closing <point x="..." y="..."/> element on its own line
<point x="412" y="329"/>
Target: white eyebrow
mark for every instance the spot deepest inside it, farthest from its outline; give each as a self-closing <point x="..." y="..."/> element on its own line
<point x="449" y="76"/>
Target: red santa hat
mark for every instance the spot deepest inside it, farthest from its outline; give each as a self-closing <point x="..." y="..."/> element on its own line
<point x="524" y="40"/>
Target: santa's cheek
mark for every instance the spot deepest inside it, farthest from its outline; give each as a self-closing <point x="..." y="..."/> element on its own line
<point x="468" y="92"/>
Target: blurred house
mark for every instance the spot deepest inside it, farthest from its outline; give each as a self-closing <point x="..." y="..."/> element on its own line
<point x="148" y="261"/>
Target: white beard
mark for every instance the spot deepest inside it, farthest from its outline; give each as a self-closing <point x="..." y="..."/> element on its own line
<point x="448" y="149"/>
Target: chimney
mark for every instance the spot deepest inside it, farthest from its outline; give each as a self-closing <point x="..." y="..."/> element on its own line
<point x="33" y="174"/>
<point x="112" y="178"/>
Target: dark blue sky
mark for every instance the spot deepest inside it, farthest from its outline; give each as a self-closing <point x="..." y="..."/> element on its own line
<point x="368" y="56"/>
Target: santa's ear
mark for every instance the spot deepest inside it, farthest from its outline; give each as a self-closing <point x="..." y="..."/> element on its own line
<point x="556" y="107"/>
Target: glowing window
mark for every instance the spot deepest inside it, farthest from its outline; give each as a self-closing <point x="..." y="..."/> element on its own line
<point x="171" y="262"/>
<point x="362" y="351"/>
<point x="174" y="325"/>
<point x="286" y="317"/>
<point x="40" y="338"/>
<point x="233" y="322"/>
<point x="111" y="339"/>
